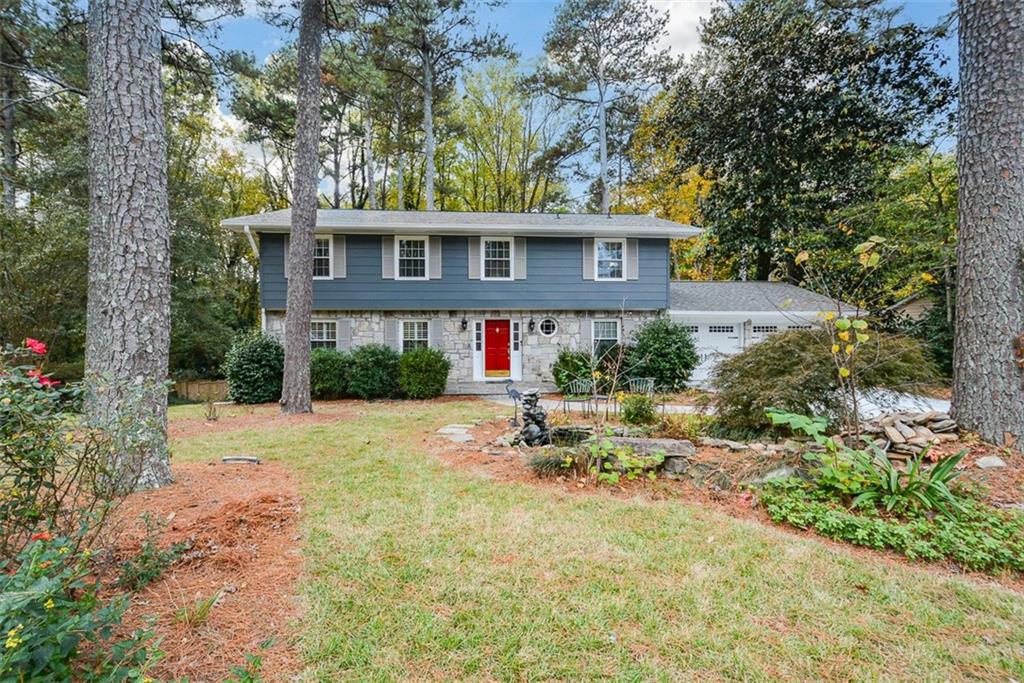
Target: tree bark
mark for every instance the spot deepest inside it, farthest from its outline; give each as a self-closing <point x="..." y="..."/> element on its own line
<point x="9" y="167"/>
<point x="400" y="181"/>
<point x="128" y="314"/>
<point x="429" y="170"/>
<point x="295" y="395"/>
<point x="371" y="185"/>
<point x="602" y="133"/>
<point x="988" y="385"/>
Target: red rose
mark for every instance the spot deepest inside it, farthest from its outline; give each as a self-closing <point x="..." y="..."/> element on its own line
<point x="42" y="536"/>
<point x="44" y="381"/>
<point x="35" y="346"/>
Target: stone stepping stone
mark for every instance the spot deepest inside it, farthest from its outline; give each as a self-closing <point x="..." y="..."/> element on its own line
<point x="459" y="438"/>
<point x="453" y="429"/>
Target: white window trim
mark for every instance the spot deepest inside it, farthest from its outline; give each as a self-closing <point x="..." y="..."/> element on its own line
<point x="511" y="256"/>
<point x="330" y="256"/>
<point x="401" y="328"/>
<point x="329" y="321"/>
<point x="540" y="327"/>
<point x="593" y="332"/>
<point x="426" y="255"/>
<point x="597" y="269"/>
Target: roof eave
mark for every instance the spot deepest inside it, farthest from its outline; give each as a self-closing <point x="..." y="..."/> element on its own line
<point x="682" y="232"/>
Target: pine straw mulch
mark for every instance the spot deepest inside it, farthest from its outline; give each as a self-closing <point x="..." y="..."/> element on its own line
<point x="241" y="526"/>
<point x="716" y="484"/>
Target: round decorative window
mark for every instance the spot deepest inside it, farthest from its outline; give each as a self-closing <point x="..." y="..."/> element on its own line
<point x="548" y="327"/>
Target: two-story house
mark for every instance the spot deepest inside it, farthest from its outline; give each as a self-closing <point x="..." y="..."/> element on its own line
<point x="501" y="293"/>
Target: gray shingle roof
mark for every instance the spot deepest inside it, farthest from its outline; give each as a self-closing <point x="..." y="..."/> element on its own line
<point x="748" y="296"/>
<point x="459" y="222"/>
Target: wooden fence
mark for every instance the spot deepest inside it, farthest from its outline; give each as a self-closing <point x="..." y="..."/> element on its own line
<point x="202" y="390"/>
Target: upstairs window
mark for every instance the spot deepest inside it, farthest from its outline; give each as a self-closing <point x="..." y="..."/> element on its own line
<point x="415" y="335"/>
<point x="323" y="334"/>
<point x="497" y="257"/>
<point x="609" y="256"/>
<point x="412" y="258"/>
<point x="322" y="257"/>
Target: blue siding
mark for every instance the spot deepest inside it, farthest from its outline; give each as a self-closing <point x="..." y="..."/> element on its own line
<point x="554" y="280"/>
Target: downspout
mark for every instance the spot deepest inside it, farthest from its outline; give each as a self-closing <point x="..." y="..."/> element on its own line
<point x="256" y="253"/>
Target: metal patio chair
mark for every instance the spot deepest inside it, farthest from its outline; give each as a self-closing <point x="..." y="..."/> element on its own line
<point x="579" y="391"/>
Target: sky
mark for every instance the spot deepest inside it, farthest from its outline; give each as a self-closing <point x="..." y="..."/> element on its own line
<point x="526" y="21"/>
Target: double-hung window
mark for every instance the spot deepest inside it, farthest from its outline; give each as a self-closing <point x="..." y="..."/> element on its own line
<point x="415" y="335"/>
<point x="497" y="258"/>
<point x="322" y="258"/>
<point x="606" y="336"/>
<point x="411" y="257"/>
<point x="610" y="259"/>
<point x="323" y="334"/>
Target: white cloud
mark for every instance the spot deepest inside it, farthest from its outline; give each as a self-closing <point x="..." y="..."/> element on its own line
<point x="683" y="21"/>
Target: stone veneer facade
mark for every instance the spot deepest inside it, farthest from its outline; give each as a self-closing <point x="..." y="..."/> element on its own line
<point x="539" y="351"/>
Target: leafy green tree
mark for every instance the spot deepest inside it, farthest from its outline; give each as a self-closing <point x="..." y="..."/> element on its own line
<point x="794" y="110"/>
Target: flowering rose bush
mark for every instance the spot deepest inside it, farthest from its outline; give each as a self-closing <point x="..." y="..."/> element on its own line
<point x="53" y="624"/>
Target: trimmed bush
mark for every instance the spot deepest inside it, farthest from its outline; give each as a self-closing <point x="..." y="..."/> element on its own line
<point x="423" y="373"/>
<point x="253" y="368"/>
<point x="638" y="409"/>
<point x="571" y="365"/>
<point x="328" y="374"/>
<point x="374" y="372"/>
<point x="794" y="372"/>
<point x="664" y="351"/>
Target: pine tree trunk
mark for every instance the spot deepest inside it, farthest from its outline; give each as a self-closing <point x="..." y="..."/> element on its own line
<point x="988" y="379"/>
<point x="400" y="181"/>
<point x="371" y="185"/>
<point x="602" y="133"/>
<point x="9" y="167"/>
<point x="428" y="131"/>
<point x="128" y="313"/>
<point x="295" y="397"/>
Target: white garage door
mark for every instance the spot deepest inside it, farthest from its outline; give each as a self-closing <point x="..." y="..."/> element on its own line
<point x="714" y="342"/>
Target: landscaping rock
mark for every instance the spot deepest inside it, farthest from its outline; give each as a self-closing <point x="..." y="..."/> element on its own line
<point x="990" y="462"/>
<point x="669" y="447"/>
<point x="453" y="429"/>
<point x="459" y="438"/>
<point x="675" y="465"/>
<point x="905" y="431"/>
<point x="893" y="434"/>
<point x="942" y="426"/>
<point x="783" y="472"/>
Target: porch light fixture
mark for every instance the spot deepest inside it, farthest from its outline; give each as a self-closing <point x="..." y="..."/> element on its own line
<point x="465" y="324"/>
<point x="532" y="325"/>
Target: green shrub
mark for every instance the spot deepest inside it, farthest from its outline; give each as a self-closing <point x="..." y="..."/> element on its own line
<point x="979" y="538"/>
<point x="56" y="626"/>
<point x="328" y="374"/>
<point x="638" y="409"/>
<point x="374" y="372"/>
<point x="151" y="561"/>
<point x="794" y="371"/>
<point x="253" y="367"/>
<point x="423" y="373"/>
<point x="571" y="365"/>
<point x="664" y="351"/>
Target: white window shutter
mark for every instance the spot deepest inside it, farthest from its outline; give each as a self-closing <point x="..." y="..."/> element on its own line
<point x="474" y="258"/>
<point x="340" y="257"/>
<point x="437" y="333"/>
<point x="286" y="245"/>
<point x="387" y="257"/>
<point x="632" y="259"/>
<point x="588" y="258"/>
<point x="344" y="335"/>
<point x="435" y="258"/>
<point x="520" y="264"/>
<point x="393" y="334"/>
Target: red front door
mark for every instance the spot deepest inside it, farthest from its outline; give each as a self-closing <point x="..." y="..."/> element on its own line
<point x="497" y="357"/>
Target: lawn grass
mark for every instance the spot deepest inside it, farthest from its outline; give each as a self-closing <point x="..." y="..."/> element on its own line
<point x="416" y="571"/>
